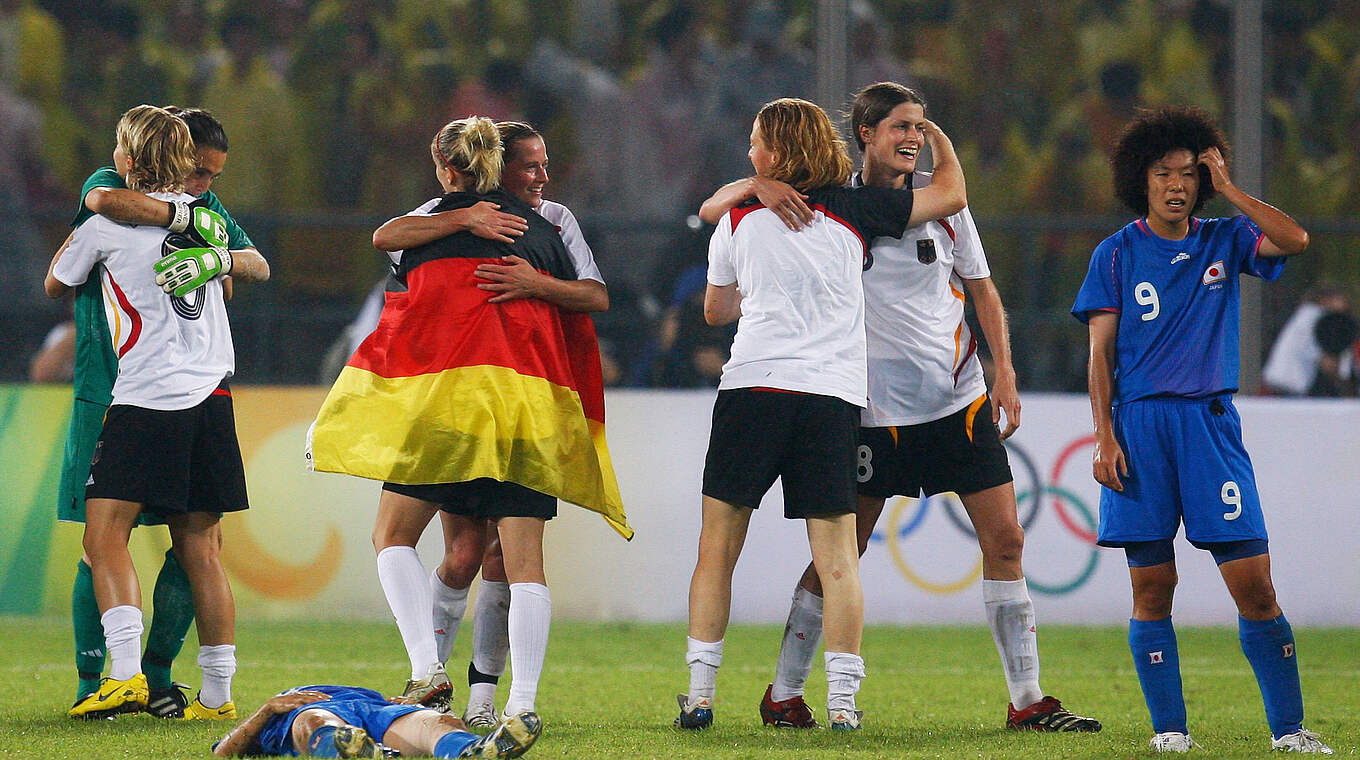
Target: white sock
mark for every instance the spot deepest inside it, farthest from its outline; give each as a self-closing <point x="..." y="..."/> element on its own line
<point x="219" y="665"/>
<point x="123" y="641"/>
<point x="490" y="628"/>
<point x="802" y="635"/>
<point x="844" y="672"/>
<point x="530" y="617"/>
<point x="408" y="594"/>
<point x="1010" y="615"/>
<point x="449" y="606"/>
<point x="480" y="693"/>
<point x="704" y="658"/>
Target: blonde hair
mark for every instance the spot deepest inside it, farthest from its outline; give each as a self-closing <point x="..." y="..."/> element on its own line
<point x="161" y="149"/>
<point x="471" y="147"/>
<point x="809" y="152"/>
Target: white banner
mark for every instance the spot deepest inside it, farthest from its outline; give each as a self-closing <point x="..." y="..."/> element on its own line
<point x="303" y="548"/>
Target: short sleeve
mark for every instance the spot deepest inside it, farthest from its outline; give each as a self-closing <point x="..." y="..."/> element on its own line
<point x="1100" y="290"/>
<point x="721" y="270"/>
<point x="81" y="254"/>
<point x="581" y="255"/>
<point x="104" y="177"/>
<point x="873" y="211"/>
<point x="1246" y="245"/>
<point x="970" y="262"/>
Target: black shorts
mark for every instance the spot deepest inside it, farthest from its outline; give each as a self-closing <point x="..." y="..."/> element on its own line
<point x="171" y="462"/>
<point x="807" y="440"/>
<point x="482" y="498"/>
<point x="962" y="453"/>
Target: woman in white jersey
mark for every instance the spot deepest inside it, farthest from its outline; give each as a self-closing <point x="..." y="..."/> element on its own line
<point x="471" y="543"/>
<point x="790" y="396"/>
<point x="168" y="443"/>
<point x="929" y="425"/>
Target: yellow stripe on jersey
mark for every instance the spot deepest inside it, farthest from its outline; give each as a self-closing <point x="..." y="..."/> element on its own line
<point x="972" y="412"/>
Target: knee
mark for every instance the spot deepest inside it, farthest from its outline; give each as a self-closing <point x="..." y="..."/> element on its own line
<point x="460" y="566"/>
<point x="1004" y="545"/>
<point x="1152" y="601"/>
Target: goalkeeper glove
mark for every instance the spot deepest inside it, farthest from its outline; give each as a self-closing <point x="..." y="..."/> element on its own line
<point x="201" y="224"/>
<point x="185" y="267"/>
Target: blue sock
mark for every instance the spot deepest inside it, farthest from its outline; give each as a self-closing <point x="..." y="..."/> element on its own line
<point x="1155" y="657"/>
<point x="453" y="743"/>
<point x="1269" y="647"/>
<point x="322" y="743"/>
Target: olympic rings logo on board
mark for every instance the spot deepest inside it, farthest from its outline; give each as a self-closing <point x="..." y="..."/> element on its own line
<point x="905" y="516"/>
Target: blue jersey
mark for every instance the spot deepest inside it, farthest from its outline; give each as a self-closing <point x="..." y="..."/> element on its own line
<point x="1178" y="304"/>
<point x="354" y="705"/>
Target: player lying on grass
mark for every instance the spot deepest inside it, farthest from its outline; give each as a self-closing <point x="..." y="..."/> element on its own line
<point x="350" y="721"/>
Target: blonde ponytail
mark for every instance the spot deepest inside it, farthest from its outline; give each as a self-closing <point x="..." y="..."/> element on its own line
<point x="471" y="147"/>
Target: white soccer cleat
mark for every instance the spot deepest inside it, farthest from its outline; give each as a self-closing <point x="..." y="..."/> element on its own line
<point x="481" y="715"/>
<point x="1301" y="740"/>
<point x="1172" y="741"/>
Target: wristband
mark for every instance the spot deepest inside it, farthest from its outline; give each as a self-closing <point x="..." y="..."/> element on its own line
<point x="179" y="216"/>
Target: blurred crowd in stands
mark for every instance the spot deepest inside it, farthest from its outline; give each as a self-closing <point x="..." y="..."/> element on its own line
<point x="646" y="106"/>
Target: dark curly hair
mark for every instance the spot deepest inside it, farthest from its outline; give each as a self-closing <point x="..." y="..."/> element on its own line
<point x="1151" y="135"/>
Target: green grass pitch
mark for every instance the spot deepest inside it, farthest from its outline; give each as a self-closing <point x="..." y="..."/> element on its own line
<point x="608" y="691"/>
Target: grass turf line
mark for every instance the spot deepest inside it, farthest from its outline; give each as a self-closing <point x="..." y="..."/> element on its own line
<point x="608" y="691"/>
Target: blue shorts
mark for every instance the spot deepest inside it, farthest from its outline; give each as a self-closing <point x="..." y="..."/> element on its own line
<point x="356" y="706"/>
<point x="1186" y="463"/>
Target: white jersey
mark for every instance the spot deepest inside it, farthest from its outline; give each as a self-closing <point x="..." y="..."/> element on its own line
<point x="172" y="352"/>
<point x="802" y="303"/>
<point x="582" y="258"/>
<point x="923" y="361"/>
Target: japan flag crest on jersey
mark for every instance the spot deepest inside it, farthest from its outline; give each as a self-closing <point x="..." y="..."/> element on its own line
<point x="1215" y="273"/>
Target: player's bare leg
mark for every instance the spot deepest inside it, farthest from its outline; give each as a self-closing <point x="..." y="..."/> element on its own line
<point x="1248" y="580"/>
<point x="400" y="522"/>
<point x="464" y="540"/>
<point x="108" y="526"/>
<point x="197" y="539"/>
<point x="721" y="537"/>
<point x="1000" y="537"/>
<point x="530" y="607"/>
<point x="836" y="558"/>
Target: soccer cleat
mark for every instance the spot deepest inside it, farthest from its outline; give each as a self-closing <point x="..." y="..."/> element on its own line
<point x="512" y="737"/>
<point x="1172" y="741"/>
<point x="1048" y="714"/>
<point x="1301" y="740"/>
<point x="480" y="715"/>
<point x="847" y="720"/>
<point x="112" y="698"/>
<point x="434" y="690"/>
<point x="698" y="714"/>
<point x="347" y="741"/>
<point x="168" y="703"/>
<point x="789" y="713"/>
<point x="199" y="711"/>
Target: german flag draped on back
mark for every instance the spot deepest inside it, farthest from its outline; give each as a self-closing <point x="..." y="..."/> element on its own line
<point x="450" y="388"/>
